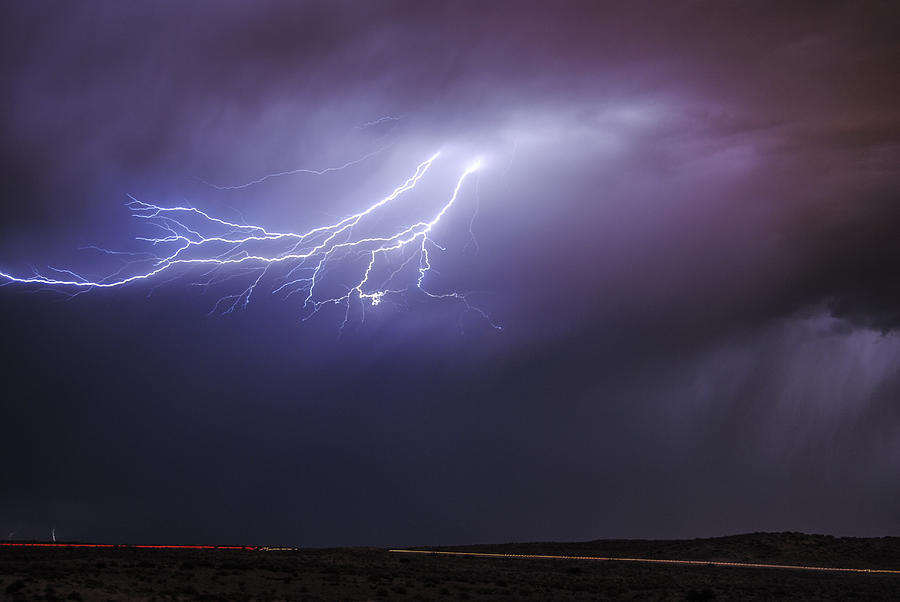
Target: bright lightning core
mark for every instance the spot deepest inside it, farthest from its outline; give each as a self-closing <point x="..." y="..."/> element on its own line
<point x="377" y="263"/>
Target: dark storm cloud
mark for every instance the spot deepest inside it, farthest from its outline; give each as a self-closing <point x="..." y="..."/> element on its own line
<point x="686" y="228"/>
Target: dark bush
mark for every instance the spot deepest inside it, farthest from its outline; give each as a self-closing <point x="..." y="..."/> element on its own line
<point x="700" y="595"/>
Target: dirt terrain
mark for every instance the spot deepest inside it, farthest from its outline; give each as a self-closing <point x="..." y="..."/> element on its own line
<point x="62" y="573"/>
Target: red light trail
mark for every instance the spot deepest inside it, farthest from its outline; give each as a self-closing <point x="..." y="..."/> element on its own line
<point x="130" y="546"/>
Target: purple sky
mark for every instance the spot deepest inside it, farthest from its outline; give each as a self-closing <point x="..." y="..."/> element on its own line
<point x="686" y="226"/>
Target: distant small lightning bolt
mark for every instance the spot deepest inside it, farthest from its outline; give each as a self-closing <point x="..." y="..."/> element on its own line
<point x="472" y="240"/>
<point x="379" y="121"/>
<point x="290" y="172"/>
<point x="299" y="261"/>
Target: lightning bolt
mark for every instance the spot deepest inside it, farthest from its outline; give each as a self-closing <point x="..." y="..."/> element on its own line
<point x="387" y="265"/>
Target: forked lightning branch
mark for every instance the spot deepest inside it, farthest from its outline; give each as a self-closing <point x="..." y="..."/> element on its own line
<point x="372" y="267"/>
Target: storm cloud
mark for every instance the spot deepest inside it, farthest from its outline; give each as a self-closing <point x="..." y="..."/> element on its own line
<point x="686" y="226"/>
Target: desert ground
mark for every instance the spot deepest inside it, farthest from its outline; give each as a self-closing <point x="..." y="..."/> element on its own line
<point x="73" y="573"/>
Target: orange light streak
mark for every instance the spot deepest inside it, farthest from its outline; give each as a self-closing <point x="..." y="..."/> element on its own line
<point x="754" y="565"/>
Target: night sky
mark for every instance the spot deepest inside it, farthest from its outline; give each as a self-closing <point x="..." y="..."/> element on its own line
<point x="686" y="224"/>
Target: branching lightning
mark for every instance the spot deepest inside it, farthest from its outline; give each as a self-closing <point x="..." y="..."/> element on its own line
<point x="387" y="265"/>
